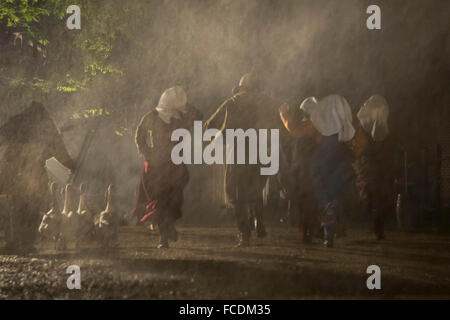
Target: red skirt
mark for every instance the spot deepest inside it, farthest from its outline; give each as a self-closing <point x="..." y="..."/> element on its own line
<point x="160" y="194"/>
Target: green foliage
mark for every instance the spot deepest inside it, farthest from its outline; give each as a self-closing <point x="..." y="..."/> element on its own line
<point x="94" y="68"/>
<point x="83" y="64"/>
<point x="17" y="82"/>
<point x="43" y="42"/>
<point x="71" y="85"/>
<point x="99" y="48"/>
<point x="41" y="84"/>
<point x="121" y="131"/>
<point x="25" y="15"/>
<point x="90" y="113"/>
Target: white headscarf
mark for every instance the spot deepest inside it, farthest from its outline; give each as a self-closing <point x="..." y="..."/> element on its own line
<point x="308" y="105"/>
<point x="332" y="115"/>
<point x="172" y="104"/>
<point x="373" y="117"/>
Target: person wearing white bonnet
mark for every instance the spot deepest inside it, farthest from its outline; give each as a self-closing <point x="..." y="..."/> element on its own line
<point x="330" y="123"/>
<point x="332" y="115"/>
<point x="172" y="104"/>
<point x="160" y="190"/>
<point x="329" y="116"/>
<point x="373" y="161"/>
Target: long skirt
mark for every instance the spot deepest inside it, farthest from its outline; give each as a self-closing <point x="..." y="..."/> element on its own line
<point x="160" y="193"/>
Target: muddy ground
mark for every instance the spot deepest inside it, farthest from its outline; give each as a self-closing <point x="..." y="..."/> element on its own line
<point x="203" y="264"/>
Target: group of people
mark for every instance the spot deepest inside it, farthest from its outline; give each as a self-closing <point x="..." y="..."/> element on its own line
<point x="331" y="150"/>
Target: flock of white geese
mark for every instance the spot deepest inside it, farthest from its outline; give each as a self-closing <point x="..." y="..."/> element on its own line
<point x="76" y="224"/>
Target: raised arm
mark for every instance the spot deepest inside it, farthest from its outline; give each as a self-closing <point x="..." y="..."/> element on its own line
<point x="296" y="128"/>
<point x="219" y="118"/>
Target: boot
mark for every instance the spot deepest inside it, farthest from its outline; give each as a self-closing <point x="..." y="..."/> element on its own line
<point x="163" y="238"/>
<point x="329" y="236"/>
<point x="244" y="226"/>
<point x="243" y="240"/>
<point x="260" y="229"/>
<point x="329" y="226"/>
<point x="172" y="233"/>
<point x="307" y="237"/>
<point x="163" y="242"/>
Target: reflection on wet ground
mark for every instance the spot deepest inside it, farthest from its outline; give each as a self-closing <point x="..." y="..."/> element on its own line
<point x="203" y="264"/>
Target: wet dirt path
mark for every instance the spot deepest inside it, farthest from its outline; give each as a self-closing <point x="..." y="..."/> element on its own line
<point x="203" y="264"/>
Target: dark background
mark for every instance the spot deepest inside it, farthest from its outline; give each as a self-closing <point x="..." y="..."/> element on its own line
<point x="128" y="52"/>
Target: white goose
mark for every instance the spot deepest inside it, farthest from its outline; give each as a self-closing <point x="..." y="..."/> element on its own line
<point x="68" y="224"/>
<point x="106" y="222"/>
<point x="50" y="225"/>
<point x="84" y="220"/>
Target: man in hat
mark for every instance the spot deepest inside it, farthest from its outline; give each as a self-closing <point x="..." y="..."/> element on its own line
<point x="248" y="108"/>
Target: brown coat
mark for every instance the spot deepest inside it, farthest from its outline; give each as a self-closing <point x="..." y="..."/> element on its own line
<point x="245" y="110"/>
<point x="373" y="165"/>
<point x="299" y="175"/>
